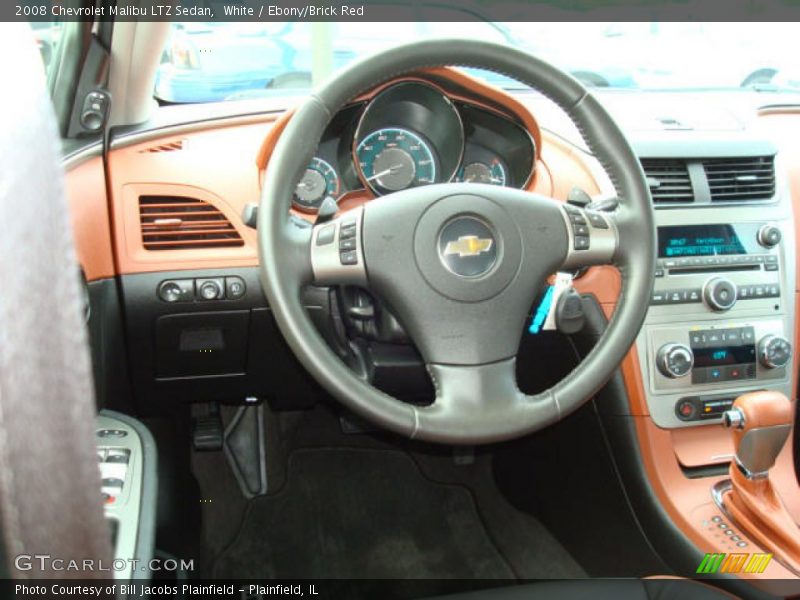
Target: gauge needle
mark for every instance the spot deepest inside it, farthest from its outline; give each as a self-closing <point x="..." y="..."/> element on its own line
<point x="391" y="169"/>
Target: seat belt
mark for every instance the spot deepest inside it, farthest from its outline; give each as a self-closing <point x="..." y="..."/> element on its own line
<point x="50" y="500"/>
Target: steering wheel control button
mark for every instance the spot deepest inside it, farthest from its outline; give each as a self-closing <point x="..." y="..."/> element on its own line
<point x="593" y="240"/>
<point x="176" y="290"/>
<point x="235" y="288"/>
<point x="326" y="235"/>
<point x="720" y="293"/>
<point x="349" y="257"/>
<point x="210" y="289"/>
<point x="597" y="220"/>
<point x="674" y="360"/>
<point x="347" y="232"/>
<point x="467" y="247"/>
<point x="581" y="242"/>
<point x="347" y="244"/>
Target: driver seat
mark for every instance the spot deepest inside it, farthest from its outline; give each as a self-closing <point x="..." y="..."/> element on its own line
<point x="50" y="503"/>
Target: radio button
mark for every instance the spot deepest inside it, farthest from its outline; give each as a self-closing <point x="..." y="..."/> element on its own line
<point x="720" y="293"/>
<point x="770" y="267"/>
<point x="773" y="291"/>
<point x="769" y="236"/>
<point x="658" y="298"/>
<point x="659" y="272"/>
<point x="771" y="259"/>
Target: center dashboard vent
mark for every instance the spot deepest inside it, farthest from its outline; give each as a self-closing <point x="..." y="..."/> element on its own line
<point x="679" y="181"/>
<point x="668" y="180"/>
<point x="177" y="222"/>
<point x="740" y="179"/>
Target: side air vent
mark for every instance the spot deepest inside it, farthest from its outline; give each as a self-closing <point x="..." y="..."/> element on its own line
<point x="740" y="179"/>
<point x="176" y="222"/>
<point x="668" y="179"/>
<point x="168" y="147"/>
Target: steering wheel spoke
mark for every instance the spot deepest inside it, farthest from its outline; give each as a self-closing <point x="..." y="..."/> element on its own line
<point x="473" y="401"/>
<point x="337" y="252"/>
<point x="593" y="237"/>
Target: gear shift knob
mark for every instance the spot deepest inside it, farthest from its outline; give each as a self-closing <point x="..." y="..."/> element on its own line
<point x="761" y="422"/>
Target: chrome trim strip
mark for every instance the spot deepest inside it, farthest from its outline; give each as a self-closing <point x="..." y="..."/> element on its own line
<point x="75" y="159"/>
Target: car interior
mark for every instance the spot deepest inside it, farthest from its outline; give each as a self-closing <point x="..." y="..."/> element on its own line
<point x="410" y="333"/>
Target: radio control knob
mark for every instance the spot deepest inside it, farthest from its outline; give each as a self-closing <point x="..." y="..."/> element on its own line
<point x="769" y="236"/>
<point x="720" y="293"/>
<point x="774" y="351"/>
<point x="674" y="360"/>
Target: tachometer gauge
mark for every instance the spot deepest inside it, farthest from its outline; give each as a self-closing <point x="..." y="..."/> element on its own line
<point x="394" y="159"/>
<point x="479" y="172"/>
<point x="319" y="181"/>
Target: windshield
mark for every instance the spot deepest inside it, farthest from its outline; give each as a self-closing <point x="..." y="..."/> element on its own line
<point x="211" y="62"/>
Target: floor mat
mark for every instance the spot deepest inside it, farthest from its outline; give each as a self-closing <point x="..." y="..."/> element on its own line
<point x="347" y="513"/>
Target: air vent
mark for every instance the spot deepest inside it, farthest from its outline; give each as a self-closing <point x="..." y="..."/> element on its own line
<point x="168" y="147"/>
<point x="176" y="222"/>
<point x="740" y="179"/>
<point x="669" y="181"/>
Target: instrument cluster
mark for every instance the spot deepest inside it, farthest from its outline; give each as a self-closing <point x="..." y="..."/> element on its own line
<point x="412" y="134"/>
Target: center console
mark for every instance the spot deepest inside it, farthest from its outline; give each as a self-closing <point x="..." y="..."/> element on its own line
<point x="721" y="315"/>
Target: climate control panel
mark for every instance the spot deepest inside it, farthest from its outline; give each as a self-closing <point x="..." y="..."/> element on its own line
<point x="694" y="371"/>
<point x="721" y="354"/>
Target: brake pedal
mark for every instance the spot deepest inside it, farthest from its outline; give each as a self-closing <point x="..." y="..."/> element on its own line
<point x="207" y="432"/>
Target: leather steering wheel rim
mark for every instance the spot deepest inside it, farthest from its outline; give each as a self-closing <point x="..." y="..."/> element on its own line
<point x="477" y="397"/>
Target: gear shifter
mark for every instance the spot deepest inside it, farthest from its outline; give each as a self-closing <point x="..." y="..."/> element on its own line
<point x="761" y="423"/>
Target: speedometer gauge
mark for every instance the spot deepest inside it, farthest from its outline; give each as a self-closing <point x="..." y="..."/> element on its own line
<point x="319" y="181"/>
<point x="394" y="159"/>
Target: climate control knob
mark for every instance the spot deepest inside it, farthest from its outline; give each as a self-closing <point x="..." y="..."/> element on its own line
<point x="769" y="236"/>
<point x="720" y="293"/>
<point x="774" y="351"/>
<point x="674" y="360"/>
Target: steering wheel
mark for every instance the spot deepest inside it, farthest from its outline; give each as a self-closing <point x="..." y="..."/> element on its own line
<point x="457" y="263"/>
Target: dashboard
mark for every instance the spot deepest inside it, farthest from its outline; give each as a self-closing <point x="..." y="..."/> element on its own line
<point x="413" y="134"/>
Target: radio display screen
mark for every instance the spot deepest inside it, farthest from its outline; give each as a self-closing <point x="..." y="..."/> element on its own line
<point x="724" y="355"/>
<point x="679" y="241"/>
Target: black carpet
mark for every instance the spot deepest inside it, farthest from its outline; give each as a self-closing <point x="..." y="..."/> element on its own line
<point x="356" y="513"/>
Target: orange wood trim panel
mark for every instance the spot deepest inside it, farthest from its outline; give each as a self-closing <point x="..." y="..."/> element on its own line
<point x="86" y="194"/>
<point x="213" y="165"/>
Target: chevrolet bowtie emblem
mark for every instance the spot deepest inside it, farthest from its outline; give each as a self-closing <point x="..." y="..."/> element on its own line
<point x="468" y="245"/>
